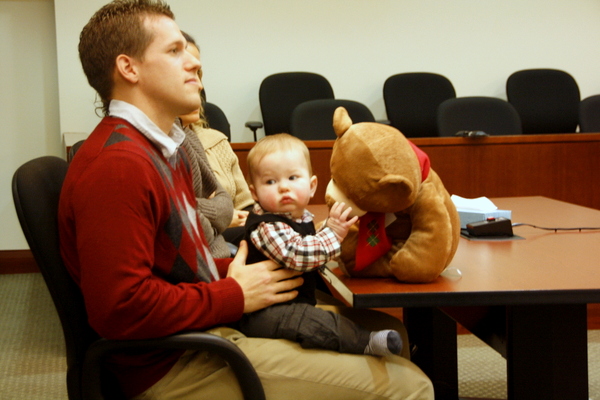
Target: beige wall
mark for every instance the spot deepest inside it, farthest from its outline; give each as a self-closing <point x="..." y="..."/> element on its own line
<point x="356" y="44"/>
<point x="28" y="99"/>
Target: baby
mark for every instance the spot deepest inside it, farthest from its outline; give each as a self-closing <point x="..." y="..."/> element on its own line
<point x="280" y="228"/>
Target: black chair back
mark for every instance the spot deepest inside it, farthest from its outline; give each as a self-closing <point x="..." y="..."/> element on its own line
<point x="217" y="119"/>
<point x="488" y="114"/>
<point x="280" y="93"/>
<point x="313" y="120"/>
<point x="411" y="101"/>
<point x="36" y="189"/>
<point x="547" y="100"/>
<point x="589" y="114"/>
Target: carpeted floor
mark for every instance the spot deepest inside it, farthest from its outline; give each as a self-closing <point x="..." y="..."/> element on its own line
<point x="32" y="361"/>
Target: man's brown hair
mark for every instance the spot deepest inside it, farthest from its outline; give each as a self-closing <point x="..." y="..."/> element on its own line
<point x="117" y="28"/>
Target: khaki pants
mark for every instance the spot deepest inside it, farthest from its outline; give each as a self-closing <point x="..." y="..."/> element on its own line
<point x="289" y="372"/>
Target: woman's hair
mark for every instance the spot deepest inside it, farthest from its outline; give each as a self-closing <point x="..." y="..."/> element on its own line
<point x="202" y="122"/>
<point x="117" y="28"/>
<point x="273" y="143"/>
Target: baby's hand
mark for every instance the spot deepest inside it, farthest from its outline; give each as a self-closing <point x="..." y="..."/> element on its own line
<point x="338" y="220"/>
<point x="239" y="218"/>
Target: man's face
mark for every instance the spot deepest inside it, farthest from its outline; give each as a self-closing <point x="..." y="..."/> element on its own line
<point x="168" y="74"/>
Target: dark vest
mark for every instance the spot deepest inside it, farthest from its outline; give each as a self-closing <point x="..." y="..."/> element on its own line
<point x="306" y="292"/>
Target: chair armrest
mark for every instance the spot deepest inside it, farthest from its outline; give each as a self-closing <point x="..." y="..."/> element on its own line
<point x="254" y="126"/>
<point x="244" y="371"/>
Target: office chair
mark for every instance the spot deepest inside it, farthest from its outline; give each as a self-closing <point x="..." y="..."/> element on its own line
<point x="313" y="120"/>
<point x="488" y="114"/>
<point x="36" y="187"/>
<point x="411" y="101"/>
<point x="589" y="114"/>
<point x="74" y="149"/>
<point x="217" y="119"/>
<point x="547" y="100"/>
<point x="280" y="93"/>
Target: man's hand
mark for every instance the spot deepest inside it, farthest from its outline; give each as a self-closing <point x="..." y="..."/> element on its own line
<point x="239" y="218"/>
<point x="264" y="283"/>
<point x="338" y="220"/>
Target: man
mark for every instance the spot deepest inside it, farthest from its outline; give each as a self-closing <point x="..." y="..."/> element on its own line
<point x="130" y="235"/>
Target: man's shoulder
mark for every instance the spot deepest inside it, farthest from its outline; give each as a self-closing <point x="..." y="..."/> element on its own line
<point x="116" y="134"/>
<point x="113" y="143"/>
<point x="112" y="130"/>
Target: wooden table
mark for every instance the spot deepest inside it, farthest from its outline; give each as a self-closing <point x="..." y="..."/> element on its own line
<point x="525" y="298"/>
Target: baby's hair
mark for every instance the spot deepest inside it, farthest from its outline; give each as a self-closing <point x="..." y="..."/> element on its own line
<point x="273" y="143"/>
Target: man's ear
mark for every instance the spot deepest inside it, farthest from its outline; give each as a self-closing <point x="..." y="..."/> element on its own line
<point x="313" y="185"/>
<point x="126" y="67"/>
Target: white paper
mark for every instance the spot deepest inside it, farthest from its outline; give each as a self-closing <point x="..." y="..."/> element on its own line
<point x="482" y="204"/>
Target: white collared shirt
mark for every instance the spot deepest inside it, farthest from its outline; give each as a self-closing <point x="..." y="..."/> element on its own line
<point x="167" y="144"/>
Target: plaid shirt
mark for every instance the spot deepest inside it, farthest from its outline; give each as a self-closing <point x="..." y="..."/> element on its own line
<point x="282" y="244"/>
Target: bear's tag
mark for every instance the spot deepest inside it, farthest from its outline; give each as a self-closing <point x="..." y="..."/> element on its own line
<point x="372" y="240"/>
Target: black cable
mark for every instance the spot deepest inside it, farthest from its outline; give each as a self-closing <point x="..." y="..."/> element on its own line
<point x="582" y="228"/>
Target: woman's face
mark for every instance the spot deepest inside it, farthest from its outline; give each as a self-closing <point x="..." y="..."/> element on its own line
<point x="194" y="116"/>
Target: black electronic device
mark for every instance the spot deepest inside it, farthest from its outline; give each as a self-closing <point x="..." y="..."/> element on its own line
<point x="470" y="133"/>
<point x="491" y="227"/>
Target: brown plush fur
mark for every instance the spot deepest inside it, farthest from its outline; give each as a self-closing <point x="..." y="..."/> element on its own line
<point x="374" y="166"/>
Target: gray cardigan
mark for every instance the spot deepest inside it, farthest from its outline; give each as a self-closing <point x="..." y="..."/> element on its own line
<point x="216" y="212"/>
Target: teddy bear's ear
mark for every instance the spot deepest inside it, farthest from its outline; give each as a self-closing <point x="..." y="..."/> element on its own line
<point x="341" y="121"/>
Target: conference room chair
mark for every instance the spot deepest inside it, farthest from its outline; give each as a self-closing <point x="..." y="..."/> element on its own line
<point x="280" y="93"/>
<point x="36" y="189"/>
<point x="217" y="119"/>
<point x="313" y="120"/>
<point x="411" y="101"/>
<point x="547" y="100"/>
<point x="491" y="115"/>
<point x="589" y="114"/>
<point x="74" y="149"/>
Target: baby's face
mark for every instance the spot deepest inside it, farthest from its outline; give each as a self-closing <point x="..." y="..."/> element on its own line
<point x="282" y="184"/>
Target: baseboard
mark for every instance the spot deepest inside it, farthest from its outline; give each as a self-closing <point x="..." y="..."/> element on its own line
<point x="17" y="262"/>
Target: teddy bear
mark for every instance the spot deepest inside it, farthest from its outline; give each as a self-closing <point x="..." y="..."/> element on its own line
<point x="408" y="227"/>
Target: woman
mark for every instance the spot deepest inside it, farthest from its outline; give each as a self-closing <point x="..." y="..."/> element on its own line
<point x="225" y="166"/>
<point x="214" y="204"/>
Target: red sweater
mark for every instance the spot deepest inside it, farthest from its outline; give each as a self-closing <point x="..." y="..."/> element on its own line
<point x="127" y="238"/>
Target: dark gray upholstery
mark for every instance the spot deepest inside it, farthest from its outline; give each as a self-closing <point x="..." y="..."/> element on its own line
<point x="217" y="119"/>
<point x="313" y="120"/>
<point x="488" y="114"/>
<point x="411" y="101"/>
<point x="280" y="93"/>
<point x="589" y="114"/>
<point x="547" y="100"/>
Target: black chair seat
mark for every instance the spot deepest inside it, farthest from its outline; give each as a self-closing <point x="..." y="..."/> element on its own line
<point x="488" y="114"/>
<point x="589" y="114"/>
